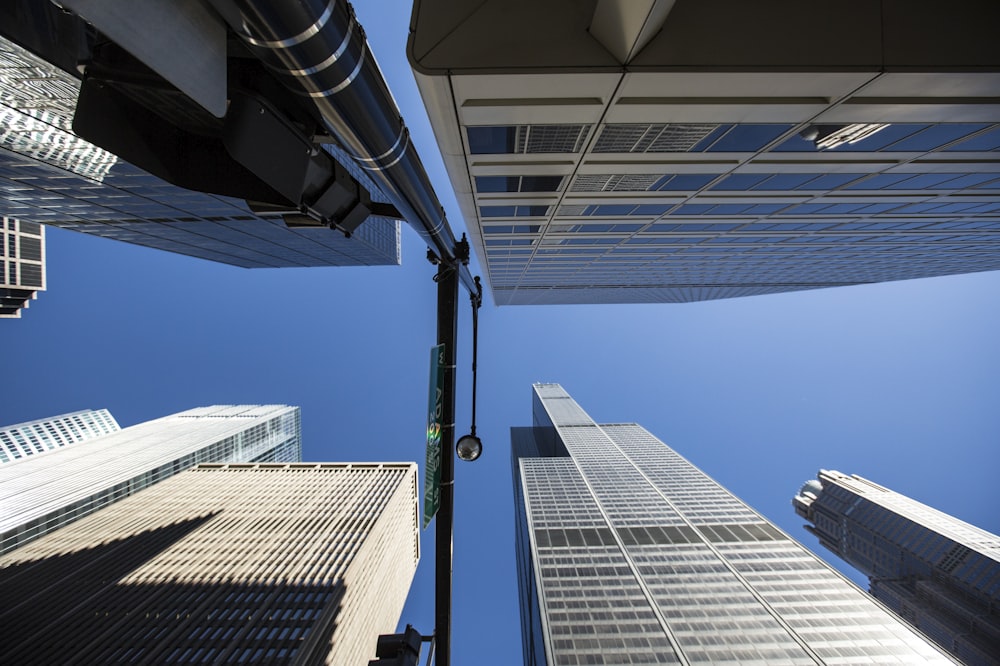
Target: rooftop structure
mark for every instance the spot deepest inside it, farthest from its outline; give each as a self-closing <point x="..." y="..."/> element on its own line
<point x="27" y="439"/>
<point x="22" y="265"/>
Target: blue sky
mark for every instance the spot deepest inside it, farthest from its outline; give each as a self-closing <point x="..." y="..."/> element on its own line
<point x="897" y="382"/>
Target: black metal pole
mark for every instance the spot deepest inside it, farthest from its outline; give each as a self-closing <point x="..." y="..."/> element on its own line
<point x="447" y="334"/>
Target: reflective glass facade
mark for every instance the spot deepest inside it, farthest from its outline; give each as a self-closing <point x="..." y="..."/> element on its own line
<point x="26" y="439"/>
<point x="628" y="554"/>
<point x="252" y="563"/>
<point x="940" y="574"/>
<point x="49" y="175"/>
<point x="43" y="492"/>
<point x="715" y="160"/>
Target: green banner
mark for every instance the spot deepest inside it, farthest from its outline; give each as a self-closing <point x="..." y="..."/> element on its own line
<point x="435" y="407"/>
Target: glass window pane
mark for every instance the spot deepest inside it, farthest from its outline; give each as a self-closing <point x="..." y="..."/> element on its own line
<point x="806" y="209"/>
<point x="729" y="209"/>
<point x="532" y="211"/>
<point x="692" y="209"/>
<point x="540" y="183"/>
<point x="884" y="137"/>
<point x="712" y="137"/>
<point x="748" y="138"/>
<point x="962" y="181"/>
<point x="740" y="181"/>
<point x="987" y="141"/>
<point x="496" y="183"/>
<point x="651" y="209"/>
<point x="875" y="208"/>
<point x="31" y="248"/>
<point x="785" y="181"/>
<point x="496" y="211"/>
<point x="830" y="181"/>
<point x="919" y="182"/>
<point x="689" y="181"/>
<point x="491" y="140"/>
<point x="879" y="181"/>
<point x="614" y="209"/>
<point x="876" y="141"/>
<point x="934" y="137"/>
<point x="764" y="209"/>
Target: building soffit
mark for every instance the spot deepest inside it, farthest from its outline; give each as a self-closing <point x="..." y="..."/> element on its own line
<point x="624" y="27"/>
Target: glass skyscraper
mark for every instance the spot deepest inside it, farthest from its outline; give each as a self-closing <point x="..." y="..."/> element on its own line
<point x="27" y="439"/>
<point x="49" y="175"/>
<point x="940" y="574"/>
<point x="629" y="152"/>
<point x="628" y="554"/>
<point x="42" y="492"/>
<point x="271" y="563"/>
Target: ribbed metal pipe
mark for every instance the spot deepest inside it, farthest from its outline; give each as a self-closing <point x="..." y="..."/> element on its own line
<point x="318" y="50"/>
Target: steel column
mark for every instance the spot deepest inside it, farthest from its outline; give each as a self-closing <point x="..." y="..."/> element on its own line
<point x="447" y="334"/>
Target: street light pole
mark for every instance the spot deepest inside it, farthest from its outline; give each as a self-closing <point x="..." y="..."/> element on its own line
<point x="447" y="279"/>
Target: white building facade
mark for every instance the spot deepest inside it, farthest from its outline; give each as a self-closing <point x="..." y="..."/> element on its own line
<point x="25" y="439"/>
<point x="42" y="492"/>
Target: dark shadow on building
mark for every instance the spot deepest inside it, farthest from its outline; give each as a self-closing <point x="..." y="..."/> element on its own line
<point x="80" y="607"/>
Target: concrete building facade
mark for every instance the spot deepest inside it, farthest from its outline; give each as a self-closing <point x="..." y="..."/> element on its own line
<point x="253" y="563"/>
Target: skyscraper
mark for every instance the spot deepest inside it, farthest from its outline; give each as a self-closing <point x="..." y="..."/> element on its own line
<point x="43" y="492"/>
<point x="22" y="265"/>
<point x="940" y="574"/>
<point x="627" y="553"/>
<point x="27" y="439"/>
<point x="50" y="175"/>
<point x="254" y="563"/>
<point x="667" y="151"/>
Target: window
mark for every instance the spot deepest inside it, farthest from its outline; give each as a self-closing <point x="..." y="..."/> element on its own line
<point x="512" y="229"/>
<point x="513" y="211"/>
<point x="747" y="138"/>
<point x="740" y="181"/>
<point x="689" y="182"/>
<point x="518" y="183"/>
<point x="526" y="139"/>
<point x="934" y="137"/>
<point x="491" y="140"/>
<point x="986" y="141"/>
<point x="879" y="181"/>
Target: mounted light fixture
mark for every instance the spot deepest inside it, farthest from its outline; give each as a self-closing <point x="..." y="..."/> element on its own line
<point x="469" y="448"/>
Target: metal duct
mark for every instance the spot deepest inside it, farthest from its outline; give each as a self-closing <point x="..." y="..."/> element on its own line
<point x="318" y="50"/>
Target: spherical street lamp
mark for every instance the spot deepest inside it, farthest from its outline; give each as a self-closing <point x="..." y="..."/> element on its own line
<point x="469" y="448"/>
